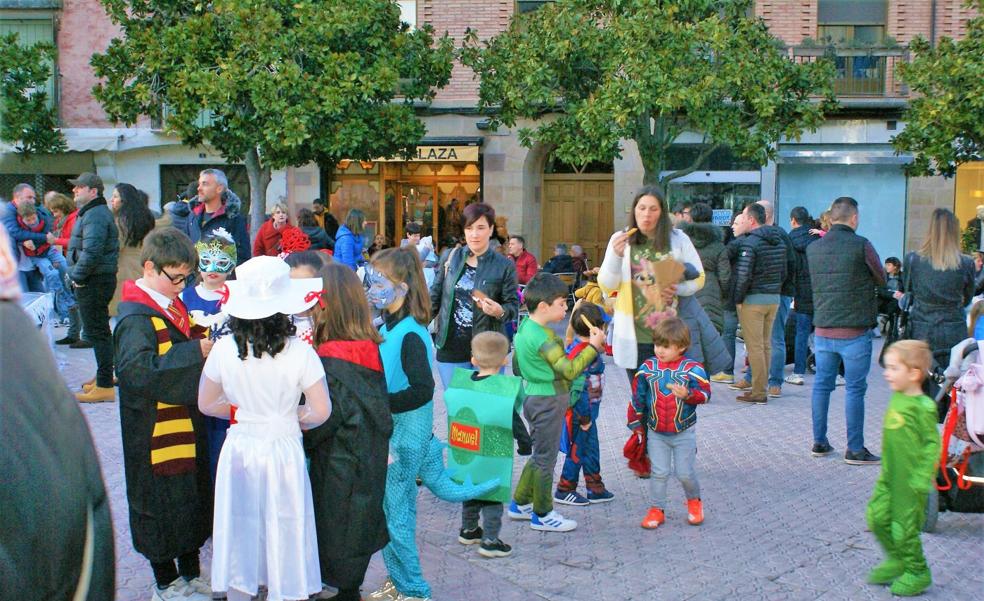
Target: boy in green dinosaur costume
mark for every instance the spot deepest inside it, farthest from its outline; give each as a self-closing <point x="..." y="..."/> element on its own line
<point x="910" y="449"/>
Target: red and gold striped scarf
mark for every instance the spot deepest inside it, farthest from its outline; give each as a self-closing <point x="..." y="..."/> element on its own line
<point x="172" y="445"/>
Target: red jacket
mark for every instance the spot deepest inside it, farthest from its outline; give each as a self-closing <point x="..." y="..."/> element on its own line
<point x="268" y="239"/>
<point x="526" y="266"/>
<point x="66" y="232"/>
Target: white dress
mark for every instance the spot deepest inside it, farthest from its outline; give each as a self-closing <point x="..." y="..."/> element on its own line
<point x="263" y="530"/>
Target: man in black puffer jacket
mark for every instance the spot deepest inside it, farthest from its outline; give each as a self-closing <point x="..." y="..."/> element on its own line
<point x="800" y="237"/>
<point x="756" y="285"/>
<point x="93" y="251"/>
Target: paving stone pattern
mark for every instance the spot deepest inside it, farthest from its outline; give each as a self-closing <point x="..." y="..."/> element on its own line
<point x="780" y="524"/>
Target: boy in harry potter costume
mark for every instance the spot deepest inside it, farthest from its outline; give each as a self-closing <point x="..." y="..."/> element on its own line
<point x="159" y="362"/>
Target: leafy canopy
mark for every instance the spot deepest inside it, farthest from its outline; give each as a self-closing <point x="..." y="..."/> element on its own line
<point x="647" y="70"/>
<point x="945" y="119"/>
<point x="26" y="120"/>
<point x="273" y="82"/>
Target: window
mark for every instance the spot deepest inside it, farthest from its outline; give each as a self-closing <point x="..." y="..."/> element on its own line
<point x="408" y="12"/>
<point x="31" y="31"/>
<point x="528" y="6"/>
<point x="855" y="27"/>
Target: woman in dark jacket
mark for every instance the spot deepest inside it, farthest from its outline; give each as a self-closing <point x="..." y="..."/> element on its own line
<point x="708" y="240"/>
<point x="320" y="240"/>
<point x="475" y="292"/>
<point x="349" y="452"/>
<point x="940" y="282"/>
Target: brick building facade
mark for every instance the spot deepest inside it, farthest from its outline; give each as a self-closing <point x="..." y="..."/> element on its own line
<point x="851" y="152"/>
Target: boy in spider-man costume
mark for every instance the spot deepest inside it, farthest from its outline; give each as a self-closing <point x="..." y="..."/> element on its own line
<point x="581" y="441"/>
<point x="663" y="414"/>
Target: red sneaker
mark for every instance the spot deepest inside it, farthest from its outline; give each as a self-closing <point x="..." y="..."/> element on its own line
<point x="654" y="517"/>
<point x="695" y="512"/>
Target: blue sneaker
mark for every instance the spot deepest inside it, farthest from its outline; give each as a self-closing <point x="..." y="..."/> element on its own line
<point x="570" y="498"/>
<point x="552" y="522"/>
<point x="600" y="497"/>
<point x="520" y="512"/>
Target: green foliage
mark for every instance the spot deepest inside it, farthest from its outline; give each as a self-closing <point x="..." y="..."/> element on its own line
<point x="647" y="70"/>
<point x="27" y="122"/>
<point x="945" y="119"/>
<point x="284" y="82"/>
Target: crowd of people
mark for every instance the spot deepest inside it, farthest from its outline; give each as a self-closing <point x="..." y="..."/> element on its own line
<point x="279" y="403"/>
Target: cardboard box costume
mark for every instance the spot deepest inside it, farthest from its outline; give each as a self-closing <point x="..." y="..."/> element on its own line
<point x="480" y="435"/>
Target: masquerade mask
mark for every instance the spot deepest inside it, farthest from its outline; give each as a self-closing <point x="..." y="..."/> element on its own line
<point x="217" y="254"/>
<point x="381" y="291"/>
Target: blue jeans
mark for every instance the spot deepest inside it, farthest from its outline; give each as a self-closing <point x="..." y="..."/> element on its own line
<point x="728" y="335"/>
<point x="446" y="370"/>
<point x="777" y="358"/>
<point x="54" y="268"/>
<point x="856" y="355"/>
<point x="672" y="453"/>
<point x="804" y="327"/>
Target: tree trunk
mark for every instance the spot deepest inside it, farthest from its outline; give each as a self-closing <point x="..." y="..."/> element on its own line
<point x="259" y="181"/>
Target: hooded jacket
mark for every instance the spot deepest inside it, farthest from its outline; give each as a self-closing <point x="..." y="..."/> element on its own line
<point x="708" y="240"/>
<point x="762" y="264"/>
<point x="189" y="217"/>
<point x="349" y="453"/>
<point x="800" y="238"/>
<point x="320" y="240"/>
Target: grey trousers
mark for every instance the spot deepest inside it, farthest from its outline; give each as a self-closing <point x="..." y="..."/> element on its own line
<point x="491" y="512"/>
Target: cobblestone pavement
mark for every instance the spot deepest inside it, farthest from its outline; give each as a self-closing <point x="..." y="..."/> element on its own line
<point x="779" y="523"/>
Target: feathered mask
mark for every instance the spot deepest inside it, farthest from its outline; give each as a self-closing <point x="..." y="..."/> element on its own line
<point x="216" y="252"/>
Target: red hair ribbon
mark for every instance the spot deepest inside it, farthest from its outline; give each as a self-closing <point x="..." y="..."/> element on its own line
<point x="223" y="295"/>
<point x="316" y="294"/>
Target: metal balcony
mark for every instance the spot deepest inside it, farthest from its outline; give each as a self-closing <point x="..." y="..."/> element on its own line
<point x="860" y="72"/>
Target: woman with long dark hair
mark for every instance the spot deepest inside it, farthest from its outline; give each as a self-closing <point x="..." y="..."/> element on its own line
<point x="476" y="291"/>
<point x="134" y="221"/>
<point x="939" y="282"/>
<point x="629" y="268"/>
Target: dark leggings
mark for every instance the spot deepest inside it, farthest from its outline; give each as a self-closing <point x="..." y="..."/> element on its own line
<point x="188" y="567"/>
<point x="643" y="352"/>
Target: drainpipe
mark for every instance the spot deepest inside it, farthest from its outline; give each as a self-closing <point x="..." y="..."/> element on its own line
<point x="932" y="24"/>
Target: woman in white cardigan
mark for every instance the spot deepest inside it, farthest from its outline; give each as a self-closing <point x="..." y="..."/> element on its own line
<point x="626" y="269"/>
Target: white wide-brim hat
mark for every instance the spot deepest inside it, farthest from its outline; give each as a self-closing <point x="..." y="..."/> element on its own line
<point x="263" y="287"/>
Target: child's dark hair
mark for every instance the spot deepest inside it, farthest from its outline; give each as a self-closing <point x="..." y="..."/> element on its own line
<point x="308" y="258"/>
<point x="894" y="261"/>
<point x="489" y="350"/>
<point x="267" y="335"/>
<point x="404" y="265"/>
<point x="168" y="247"/>
<point x="672" y="332"/>
<point x="346" y="316"/>
<point x="544" y="287"/>
<point x="592" y="313"/>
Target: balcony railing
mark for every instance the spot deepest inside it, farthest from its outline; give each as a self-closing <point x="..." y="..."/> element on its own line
<point x="861" y="72"/>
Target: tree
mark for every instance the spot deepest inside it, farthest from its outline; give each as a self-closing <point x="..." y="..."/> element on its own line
<point x="26" y="120"/>
<point x="273" y="83"/>
<point x="647" y="70"/>
<point x="945" y="119"/>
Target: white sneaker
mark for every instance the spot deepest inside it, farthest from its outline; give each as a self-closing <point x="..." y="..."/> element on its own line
<point x="794" y="379"/>
<point x="387" y="592"/>
<point x="520" y="512"/>
<point x="552" y="522"/>
<point x="840" y="381"/>
<point x="402" y="597"/>
<point x="174" y="591"/>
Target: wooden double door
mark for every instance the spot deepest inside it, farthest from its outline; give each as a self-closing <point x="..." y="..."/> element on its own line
<point x="578" y="209"/>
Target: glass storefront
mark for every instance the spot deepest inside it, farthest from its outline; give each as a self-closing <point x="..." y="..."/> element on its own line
<point x="431" y="189"/>
<point x="723" y="180"/>
<point x="969" y="192"/>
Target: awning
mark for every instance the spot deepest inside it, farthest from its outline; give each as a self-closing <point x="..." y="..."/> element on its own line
<point x="443" y="150"/>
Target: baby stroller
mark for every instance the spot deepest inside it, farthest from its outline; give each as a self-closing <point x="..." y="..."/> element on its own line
<point x="960" y="478"/>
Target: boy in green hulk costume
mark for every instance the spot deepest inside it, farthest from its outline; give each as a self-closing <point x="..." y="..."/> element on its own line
<point x="482" y="422"/>
<point x="910" y="450"/>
